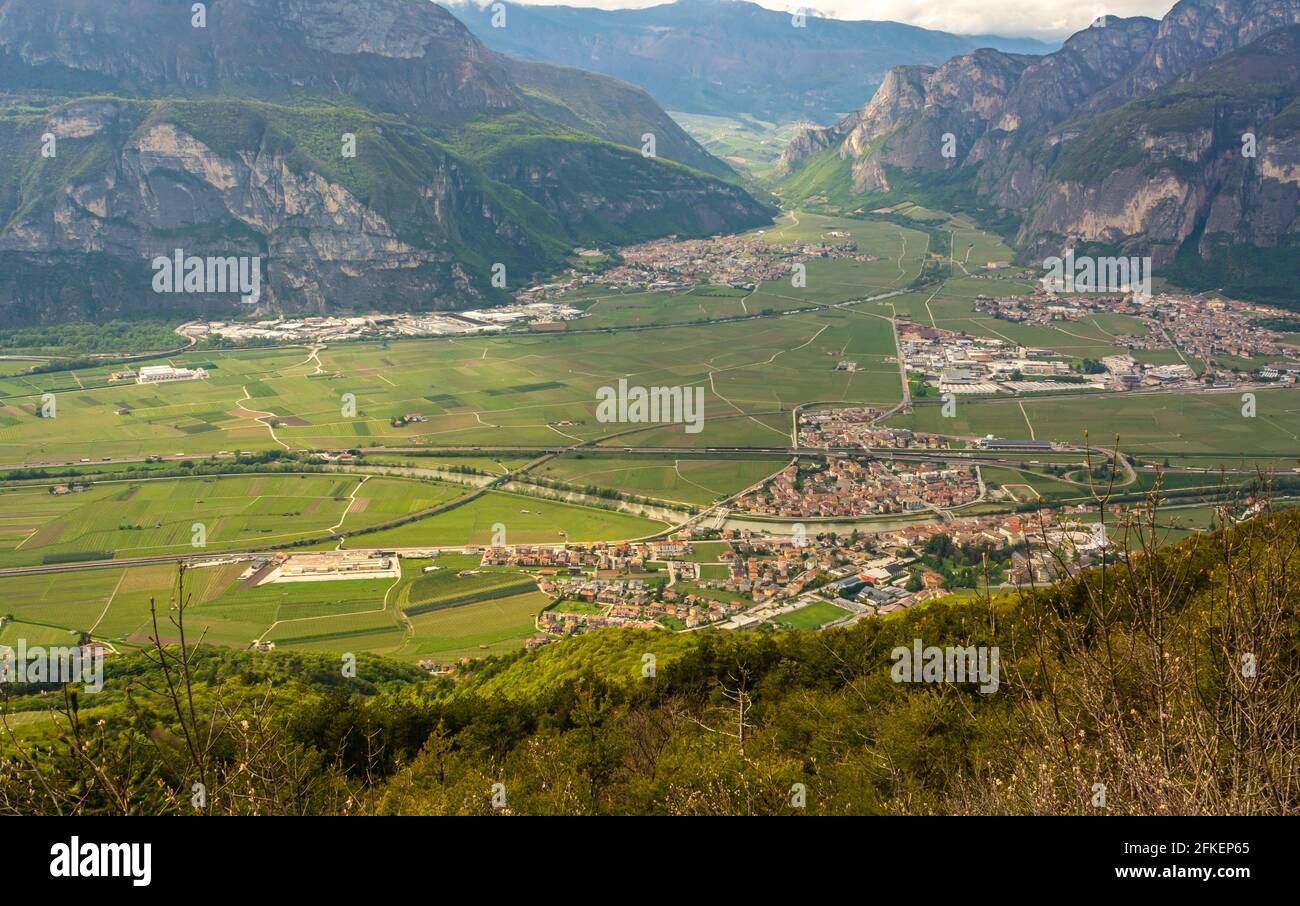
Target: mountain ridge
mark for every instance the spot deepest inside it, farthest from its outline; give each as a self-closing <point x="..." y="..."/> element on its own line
<point x="228" y="141"/>
<point x="717" y="56"/>
<point x="1075" y="149"/>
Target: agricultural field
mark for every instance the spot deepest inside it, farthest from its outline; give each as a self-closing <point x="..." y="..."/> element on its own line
<point x="952" y="307"/>
<point x="488" y="403"/>
<point x="620" y="308"/>
<point x="692" y="480"/>
<point x="490" y="465"/>
<point x="443" y="587"/>
<point x="114" y="604"/>
<point x="148" y="517"/>
<point x="1149" y="425"/>
<point x="747" y="143"/>
<point x="479" y="629"/>
<point x="705" y="552"/>
<point x="526" y="520"/>
<point x="495" y="391"/>
<point x="1027" y="486"/>
<point x="419" y="615"/>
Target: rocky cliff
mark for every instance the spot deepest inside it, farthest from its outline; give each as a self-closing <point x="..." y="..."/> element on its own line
<point x="1132" y="135"/>
<point x="128" y="131"/>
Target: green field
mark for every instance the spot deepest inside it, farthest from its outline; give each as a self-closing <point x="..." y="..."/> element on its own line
<point x="527" y="520"/>
<point x="1151" y="425"/>
<point x="171" y="516"/>
<point x="480" y="629"/>
<point x="488" y="406"/>
<point x="539" y="390"/>
<point x="341" y="616"/>
<point x="505" y="391"/>
<point x="706" y="551"/>
<point x="750" y="145"/>
<point x="690" y="480"/>
<point x="443" y="587"/>
<point x="1029" y="485"/>
<point x="812" y="616"/>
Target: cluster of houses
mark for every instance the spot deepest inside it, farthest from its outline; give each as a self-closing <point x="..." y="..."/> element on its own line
<point x="763" y="576"/>
<point x="670" y="265"/>
<point x="576" y="558"/>
<point x="1206" y="328"/>
<point x="854" y="426"/>
<point x="583" y="604"/>
<point x="847" y="486"/>
<point x="1199" y="327"/>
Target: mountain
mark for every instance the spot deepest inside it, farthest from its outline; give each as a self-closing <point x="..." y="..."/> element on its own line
<point x="725" y="57"/>
<point x="609" y="109"/>
<point x="1130" y="137"/>
<point x="228" y="140"/>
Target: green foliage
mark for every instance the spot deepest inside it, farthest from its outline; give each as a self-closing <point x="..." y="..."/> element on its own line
<point x="79" y="338"/>
<point x="1219" y="262"/>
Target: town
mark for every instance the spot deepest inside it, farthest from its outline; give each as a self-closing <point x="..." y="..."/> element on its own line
<point x="741" y="262"/>
<point x="1196" y="326"/>
<point x="855" y="426"/>
<point x="758" y="579"/>
<point x="845" y="486"/>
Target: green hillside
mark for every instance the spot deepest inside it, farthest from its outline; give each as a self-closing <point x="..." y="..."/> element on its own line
<point x="1172" y="682"/>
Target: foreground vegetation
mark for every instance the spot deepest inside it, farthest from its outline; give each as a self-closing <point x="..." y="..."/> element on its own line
<point x="1163" y="683"/>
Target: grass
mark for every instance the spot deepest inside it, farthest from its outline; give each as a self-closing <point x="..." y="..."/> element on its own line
<point x="812" y="616"/>
<point x="526" y="520"/>
<point x="480" y="629"/>
<point x="707" y="551"/>
<point x="496" y="400"/>
<point x="344" y="616"/>
<point x="1147" y="424"/>
<point x="500" y="391"/>
<point x="190" y="515"/>
<point x="689" y="480"/>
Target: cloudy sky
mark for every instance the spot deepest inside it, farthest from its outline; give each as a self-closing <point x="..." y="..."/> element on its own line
<point x="1039" y="19"/>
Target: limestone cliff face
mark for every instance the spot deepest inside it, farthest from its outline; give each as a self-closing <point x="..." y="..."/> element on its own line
<point x="810" y="142"/>
<point x="1052" y="89"/>
<point x="902" y="94"/>
<point x="1177" y="166"/>
<point x="1130" y="135"/>
<point x="933" y="123"/>
<point x="1198" y="31"/>
<point x="164" y="189"/>
<point x="393" y="55"/>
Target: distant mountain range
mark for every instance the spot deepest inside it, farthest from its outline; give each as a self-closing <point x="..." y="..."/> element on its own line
<point x="227" y="139"/>
<point x="1178" y="139"/>
<point x="726" y="57"/>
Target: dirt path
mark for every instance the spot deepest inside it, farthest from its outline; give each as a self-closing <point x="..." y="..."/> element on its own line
<point x="352" y="498"/>
<point x="259" y="415"/>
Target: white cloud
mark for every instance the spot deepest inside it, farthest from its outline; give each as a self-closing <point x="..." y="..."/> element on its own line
<point x="1040" y="19"/>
